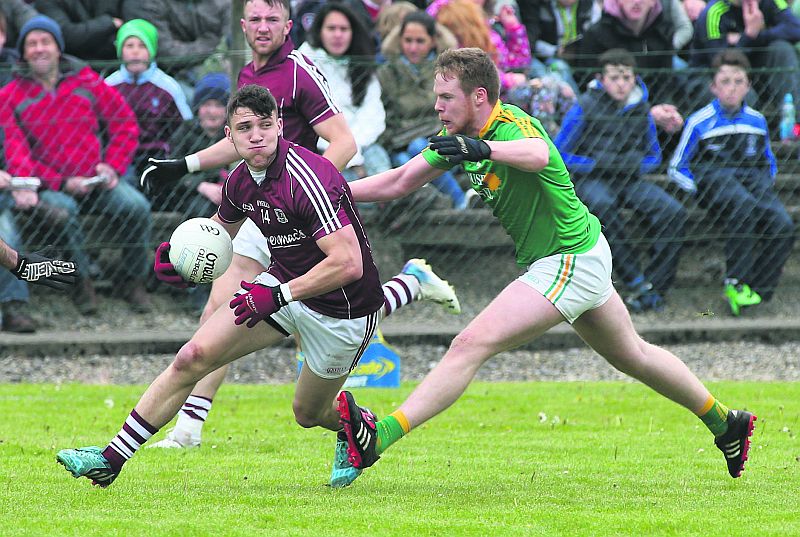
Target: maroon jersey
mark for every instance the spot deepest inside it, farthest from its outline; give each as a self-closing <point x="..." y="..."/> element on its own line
<point x="302" y="199"/>
<point x="300" y="89"/>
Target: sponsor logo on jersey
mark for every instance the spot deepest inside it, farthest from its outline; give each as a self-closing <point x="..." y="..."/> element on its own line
<point x="287" y="238"/>
<point x="485" y="184"/>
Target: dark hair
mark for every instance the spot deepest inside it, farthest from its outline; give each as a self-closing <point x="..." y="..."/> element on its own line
<point x="256" y="98"/>
<point x="3" y="24"/>
<point x="732" y="57"/>
<point x="361" y="66"/>
<point x="617" y="56"/>
<point x="473" y="67"/>
<point x="421" y="18"/>
<point x="285" y="4"/>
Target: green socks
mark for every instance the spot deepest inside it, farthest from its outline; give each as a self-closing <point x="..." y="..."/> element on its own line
<point x="391" y="429"/>
<point x="715" y="416"/>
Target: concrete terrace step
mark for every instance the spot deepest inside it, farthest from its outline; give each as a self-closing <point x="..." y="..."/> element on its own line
<point x="66" y="344"/>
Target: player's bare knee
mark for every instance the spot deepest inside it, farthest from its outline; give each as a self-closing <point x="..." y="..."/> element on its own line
<point x="467" y="346"/>
<point x="191" y="360"/>
<point x="305" y="416"/>
<point x="628" y="361"/>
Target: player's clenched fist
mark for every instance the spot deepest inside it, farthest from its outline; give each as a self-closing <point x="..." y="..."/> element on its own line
<point x="458" y="148"/>
<point x="258" y="303"/>
<point x="165" y="270"/>
<point x="41" y="270"/>
<point x="162" y="172"/>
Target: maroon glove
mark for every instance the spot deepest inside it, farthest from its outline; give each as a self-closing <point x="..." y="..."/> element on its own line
<point x="257" y="304"/>
<point x="165" y="271"/>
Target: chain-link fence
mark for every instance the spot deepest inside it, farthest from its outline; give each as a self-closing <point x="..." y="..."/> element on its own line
<point x="678" y="209"/>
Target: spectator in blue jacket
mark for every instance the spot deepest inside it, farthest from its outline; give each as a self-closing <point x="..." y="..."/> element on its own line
<point x="765" y="31"/>
<point x="724" y="156"/>
<point x="608" y="141"/>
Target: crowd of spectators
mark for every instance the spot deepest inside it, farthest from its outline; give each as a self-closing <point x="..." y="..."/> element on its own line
<point x="89" y="90"/>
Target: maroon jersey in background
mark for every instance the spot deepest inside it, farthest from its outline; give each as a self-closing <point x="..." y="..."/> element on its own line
<point x="300" y="89"/>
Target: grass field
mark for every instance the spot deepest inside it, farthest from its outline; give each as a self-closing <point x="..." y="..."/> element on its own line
<point x="507" y="459"/>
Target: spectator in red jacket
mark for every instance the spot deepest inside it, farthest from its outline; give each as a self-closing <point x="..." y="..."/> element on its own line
<point x="63" y="124"/>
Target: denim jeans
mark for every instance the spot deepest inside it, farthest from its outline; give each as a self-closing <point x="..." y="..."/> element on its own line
<point x="10" y="287"/>
<point x="664" y="218"/>
<point x="445" y="183"/>
<point x="760" y="233"/>
<point x="779" y="58"/>
<point x="125" y="211"/>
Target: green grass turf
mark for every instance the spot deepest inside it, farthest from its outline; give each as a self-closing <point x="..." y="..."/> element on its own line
<point x="507" y="459"/>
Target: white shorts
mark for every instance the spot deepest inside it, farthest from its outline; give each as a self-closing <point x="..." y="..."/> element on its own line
<point x="250" y="242"/>
<point x="332" y="347"/>
<point x="574" y="283"/>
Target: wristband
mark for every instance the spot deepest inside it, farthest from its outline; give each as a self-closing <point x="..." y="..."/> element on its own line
<point x="192" y="163"/>
<point x="287" y="295"/>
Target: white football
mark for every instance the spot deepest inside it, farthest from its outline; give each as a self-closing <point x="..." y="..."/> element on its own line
<point x="201" y="250"/>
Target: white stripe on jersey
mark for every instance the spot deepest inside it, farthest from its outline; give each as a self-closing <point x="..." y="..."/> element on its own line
<point x="299" y="176"/>
<point x="323" y="195"/>
<point x="698" y="117"/>
<point x="753" y="112"/>
<point x="294" y="82"/>
<point x="314" y="189"/>
<point x="736" y="128"/>
<point x="317" y="76"/>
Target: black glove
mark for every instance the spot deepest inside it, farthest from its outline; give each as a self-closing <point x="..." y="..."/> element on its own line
<point x="35" y="268"/>
<point x="458" y="148"/>
<point x="162" y="173"/>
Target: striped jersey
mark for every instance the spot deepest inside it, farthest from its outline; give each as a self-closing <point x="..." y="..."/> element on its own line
<point x="539" y="210"/>
<point x="303" y="198"/>
<point x="714" y="139"/>
<point x="723" y="17"/>
<point x="300" y="89"/>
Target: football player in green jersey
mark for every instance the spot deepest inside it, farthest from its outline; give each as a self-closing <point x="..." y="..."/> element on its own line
<point x="520" y="175"/>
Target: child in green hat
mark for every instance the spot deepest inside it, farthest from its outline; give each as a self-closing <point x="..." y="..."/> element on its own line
<point x="155" y="97"/>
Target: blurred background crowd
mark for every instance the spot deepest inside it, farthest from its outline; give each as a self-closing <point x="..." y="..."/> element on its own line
<point x="662" y="109"/>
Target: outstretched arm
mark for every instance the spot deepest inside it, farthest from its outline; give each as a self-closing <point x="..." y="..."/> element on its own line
<point x="527" y="154"/>
<point x="395" y="183"/>
<point x="163" y="173"/>
<point x="218" y="155"/>
<point x="37" y="268"/>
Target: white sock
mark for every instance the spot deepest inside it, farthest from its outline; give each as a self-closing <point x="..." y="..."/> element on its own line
<point x="193" y="414"/>
<point x="398" y="292"/>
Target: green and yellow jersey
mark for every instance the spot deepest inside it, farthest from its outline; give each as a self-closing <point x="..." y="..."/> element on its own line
<point x="540" y="211"/>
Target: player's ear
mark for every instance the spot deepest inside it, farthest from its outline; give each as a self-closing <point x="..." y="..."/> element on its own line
<point x="280" y="126"/>
<point x="228" y="134"/>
